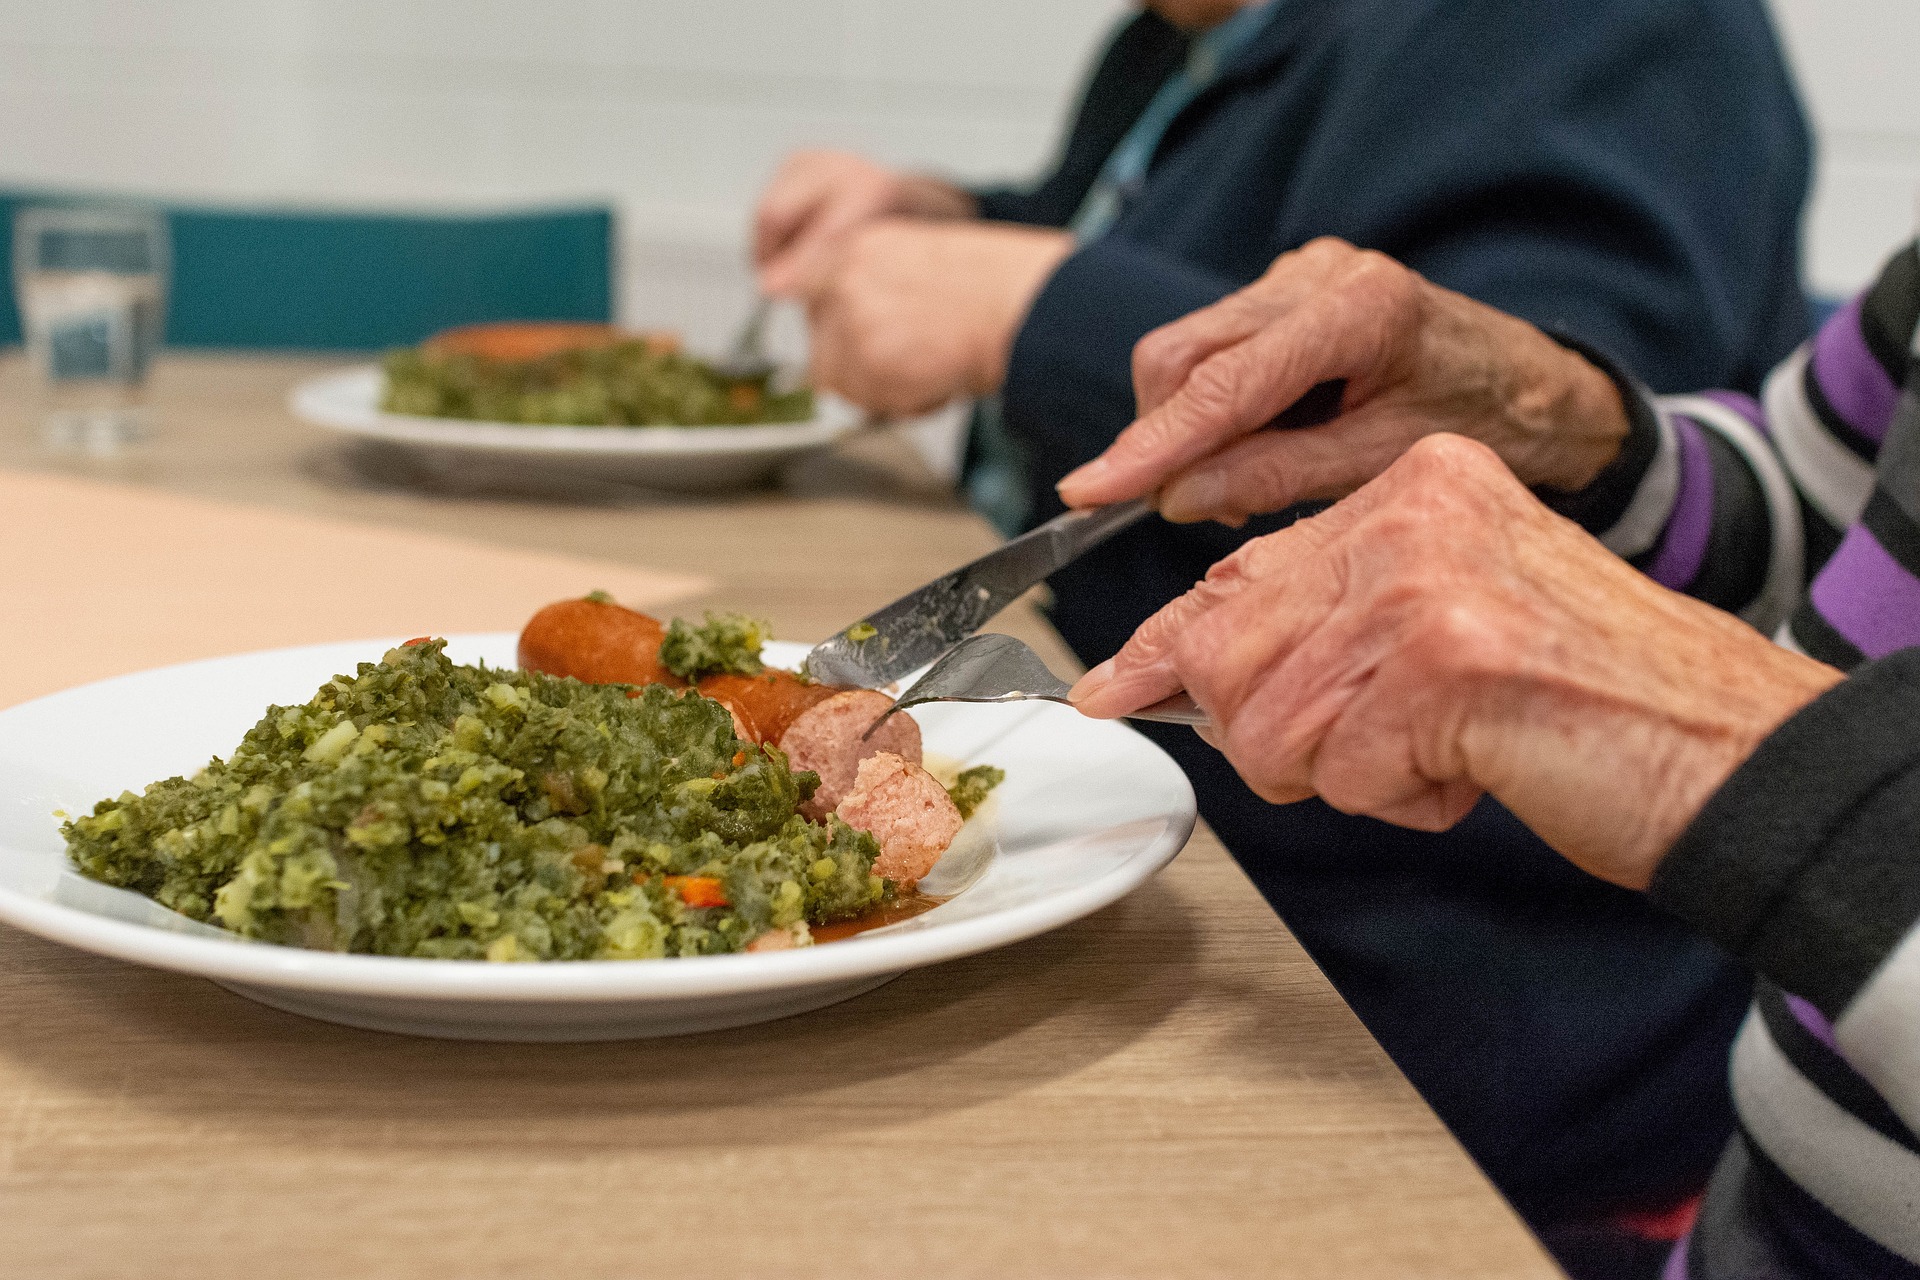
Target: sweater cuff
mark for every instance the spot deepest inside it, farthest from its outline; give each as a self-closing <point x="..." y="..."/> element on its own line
<point x="1627" y="505"/>
<point x="1003" y="204"/>
<point x="1802" y="863"/>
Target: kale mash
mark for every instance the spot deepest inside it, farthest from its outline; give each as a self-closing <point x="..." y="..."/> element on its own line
<point x="422" y="808"/>
<point x="726" y="644"/>
<point x="622" y="384"/>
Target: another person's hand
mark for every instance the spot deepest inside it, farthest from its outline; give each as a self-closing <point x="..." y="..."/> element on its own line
<point x="1441" y="634"/>
<point x="912" y="314"/>
<point x="1417" y="359"/>
<point x="817" y="198"/>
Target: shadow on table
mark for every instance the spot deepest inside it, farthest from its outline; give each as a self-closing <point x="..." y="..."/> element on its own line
<point x="935" y="1040"/>
<point x="850" y="471"/>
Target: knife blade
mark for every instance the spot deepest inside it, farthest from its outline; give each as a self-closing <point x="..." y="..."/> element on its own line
<point x="923" y="624"/>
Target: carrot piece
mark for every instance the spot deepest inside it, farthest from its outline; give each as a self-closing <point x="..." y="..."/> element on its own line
<point x="698" y="891"/>
<point x="417" y="640"/>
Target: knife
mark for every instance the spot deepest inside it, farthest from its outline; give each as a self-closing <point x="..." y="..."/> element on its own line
<point x="923" y="624"/>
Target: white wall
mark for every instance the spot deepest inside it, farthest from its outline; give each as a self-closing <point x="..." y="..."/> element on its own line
<point x="677" y="109"/>
<point x="1855" y="60"/>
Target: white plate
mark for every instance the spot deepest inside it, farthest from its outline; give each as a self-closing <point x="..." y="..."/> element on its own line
<point x="694" y="459"/>
<point x="1089" y="811"/>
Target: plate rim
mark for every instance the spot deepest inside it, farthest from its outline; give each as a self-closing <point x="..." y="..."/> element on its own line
<point x="309" y="400"/>
<point x="575" y="981"/>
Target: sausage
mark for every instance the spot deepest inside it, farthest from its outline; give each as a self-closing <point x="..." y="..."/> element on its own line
<point x="766" y="705"/>
<point x="818" y="726"/>
<point x="535" y="340"/>
<point x="906" y="810"/>
<point x="596" y="641"/>
<point x="781" y="939"/>
<point x="826" y="739"/>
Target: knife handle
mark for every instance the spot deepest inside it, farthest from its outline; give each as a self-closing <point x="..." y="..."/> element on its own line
<point x="1076" y="532"/>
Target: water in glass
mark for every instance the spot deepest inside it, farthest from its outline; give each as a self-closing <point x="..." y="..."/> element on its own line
<point x="91" y="284"/>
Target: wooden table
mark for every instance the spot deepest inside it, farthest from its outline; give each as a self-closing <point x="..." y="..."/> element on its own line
<point x="1167" y="1088"/>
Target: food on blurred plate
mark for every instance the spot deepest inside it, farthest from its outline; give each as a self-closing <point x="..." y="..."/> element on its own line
<point x="592" y="806"/>
<point x="518" y="340"/>
<point x="558" y="374"/>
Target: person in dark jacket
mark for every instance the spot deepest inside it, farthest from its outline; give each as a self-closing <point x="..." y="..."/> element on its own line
<point x="1627" y="173"/>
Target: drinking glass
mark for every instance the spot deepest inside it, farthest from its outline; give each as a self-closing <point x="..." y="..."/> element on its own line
<point x="91" y="284"/>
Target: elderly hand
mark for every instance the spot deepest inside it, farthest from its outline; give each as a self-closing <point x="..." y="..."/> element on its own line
<point x="818" y="198"/>
<point x="1417" y="359"/>
<point x="1441" y="634"/>
<point x="913" y="314"/>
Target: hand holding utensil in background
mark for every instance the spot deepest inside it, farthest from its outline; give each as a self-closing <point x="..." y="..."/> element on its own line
<point x="746" y="359"/>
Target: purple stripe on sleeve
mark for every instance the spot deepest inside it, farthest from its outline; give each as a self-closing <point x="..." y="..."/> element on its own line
<point x="1813" y="1020"/>
<point x="1865" y="594"/>
<point x="1853" y="381"/>
<point x="1744" y="405"/>
<point x="1676" y="1268"/>
<point x="1684" y="546"/>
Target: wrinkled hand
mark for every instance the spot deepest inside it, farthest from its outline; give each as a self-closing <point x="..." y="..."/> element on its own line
<point x="818" y="198"/>
<point x="913" y="314"/>
<point x="1417" y="359"/>
<point x="1441" y="634"/>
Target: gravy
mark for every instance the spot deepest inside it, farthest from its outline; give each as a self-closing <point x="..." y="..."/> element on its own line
<point x="904" y="907"/>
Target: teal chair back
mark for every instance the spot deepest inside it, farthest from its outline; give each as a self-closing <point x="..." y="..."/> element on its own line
<point x="302" y="279"/>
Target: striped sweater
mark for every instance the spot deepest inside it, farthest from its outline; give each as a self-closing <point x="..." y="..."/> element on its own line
<point x="1801" y="512"/>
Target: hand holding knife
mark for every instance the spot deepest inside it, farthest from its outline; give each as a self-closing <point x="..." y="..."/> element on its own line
<point x="926" y="623"/>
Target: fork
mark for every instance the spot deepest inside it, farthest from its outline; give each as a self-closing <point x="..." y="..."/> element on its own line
<point x="999" y="668"/>
<point x="746" y="360"/>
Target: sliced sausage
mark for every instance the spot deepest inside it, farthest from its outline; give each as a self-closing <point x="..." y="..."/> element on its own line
<point x="781" y="939"/>
<point x="764" y="706"/>
<point x="826" y="739"/>
<point x="596" y="641"/>
<point x="907" y="811"/>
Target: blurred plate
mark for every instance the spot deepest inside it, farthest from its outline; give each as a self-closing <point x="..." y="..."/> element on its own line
<point x="1089" y="811"/>
<point x="688" y="459"/>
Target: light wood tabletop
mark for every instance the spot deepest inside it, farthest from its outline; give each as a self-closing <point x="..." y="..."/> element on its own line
<point x="1167" y="1088"/>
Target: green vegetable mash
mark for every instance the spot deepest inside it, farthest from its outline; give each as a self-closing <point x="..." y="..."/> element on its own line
<point x="626" y="384"/>
<point x="727" y="642"/>
<point x="420" y="808"/>
<point x="970" y="787"/>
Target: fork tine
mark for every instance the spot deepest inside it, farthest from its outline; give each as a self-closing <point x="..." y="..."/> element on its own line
<point x="991" y="667"/>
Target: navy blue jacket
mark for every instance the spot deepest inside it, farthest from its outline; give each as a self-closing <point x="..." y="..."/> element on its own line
<point x="1616" y="170"/>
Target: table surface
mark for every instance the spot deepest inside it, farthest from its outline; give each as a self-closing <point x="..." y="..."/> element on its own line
<point x="1169" y="1087"/>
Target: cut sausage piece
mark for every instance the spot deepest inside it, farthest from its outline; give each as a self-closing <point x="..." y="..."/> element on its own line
<point x="782" y="939"/>
<point x="826" y="739"/>
<point x="766" y="705"/>
<point x="907" y="811"/>
<point x="596" y="641"/>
